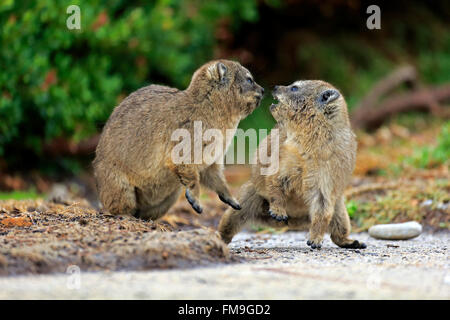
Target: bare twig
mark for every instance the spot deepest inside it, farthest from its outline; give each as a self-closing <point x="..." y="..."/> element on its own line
<point x="386" y="85"/>
<point x="422" y="99"/>
<point x="379" y="104"/>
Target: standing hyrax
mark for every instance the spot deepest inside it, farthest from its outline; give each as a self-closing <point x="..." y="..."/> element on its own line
<point x="134" y="168"/>
<point x="317" y="151"/>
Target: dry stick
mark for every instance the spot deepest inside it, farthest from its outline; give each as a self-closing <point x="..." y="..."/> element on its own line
<point x="370" y="187"/>
<point x="370" y="113"/>
<point x="422" y="99"/>
<point x="386" y="85"/>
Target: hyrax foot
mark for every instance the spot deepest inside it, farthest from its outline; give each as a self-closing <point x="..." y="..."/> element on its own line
<point x="278" y="214"/>
<point x="314" y="244"/>
<point x="226" y="238"/>
<point x="231" y="202"/>
<point x="344" y="242"/>
<point x="354" y="245"/>
<point x="193" y="202"/>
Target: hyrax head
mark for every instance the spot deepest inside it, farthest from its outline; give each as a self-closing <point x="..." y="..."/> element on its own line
<point x="225" y="78"/>
<point x="309" y="101"/>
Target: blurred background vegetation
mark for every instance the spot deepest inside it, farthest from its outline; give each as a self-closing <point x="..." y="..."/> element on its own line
<point x="58" y="86"/>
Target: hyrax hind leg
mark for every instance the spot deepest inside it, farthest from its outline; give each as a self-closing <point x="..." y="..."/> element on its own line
<point x="155" y="211"/>
<point x="252" y="204"/>
<point x="116" y="194"/>
<point x="340" y="228"/>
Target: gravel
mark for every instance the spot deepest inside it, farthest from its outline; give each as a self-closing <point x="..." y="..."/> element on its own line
<point x="272" y="266"/>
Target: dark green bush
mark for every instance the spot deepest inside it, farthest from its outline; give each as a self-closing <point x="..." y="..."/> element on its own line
<point x="56" y="82"/>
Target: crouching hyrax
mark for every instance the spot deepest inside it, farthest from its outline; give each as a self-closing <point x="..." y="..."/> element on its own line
<point x="134" y="166"/>
<point x="317" y="151"/>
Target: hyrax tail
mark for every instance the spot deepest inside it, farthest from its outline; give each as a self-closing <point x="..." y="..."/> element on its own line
<point x="252" y="205"/>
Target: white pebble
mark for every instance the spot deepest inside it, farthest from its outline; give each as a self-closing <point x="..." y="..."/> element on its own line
<point x="396" y="231"/>
<point x="426" y="203"/>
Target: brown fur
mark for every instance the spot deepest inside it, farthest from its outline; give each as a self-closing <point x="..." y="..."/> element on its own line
<point x="133" y="166"/>
<point x="316" y="159"/>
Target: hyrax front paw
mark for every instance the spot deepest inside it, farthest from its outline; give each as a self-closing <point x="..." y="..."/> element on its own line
<point x="317" y="244"/>
<point x="278" y="214"/>
<point x="231" y="202"/>
<point x="193" y="202"/>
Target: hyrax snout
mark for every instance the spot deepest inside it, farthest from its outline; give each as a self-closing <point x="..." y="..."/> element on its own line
<point x="135" y="169"/>
<point x="317" y="152"/>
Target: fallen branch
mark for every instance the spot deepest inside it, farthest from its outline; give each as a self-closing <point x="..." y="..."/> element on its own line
<point x="422" y="99"/>
<point x="386" y="85"/>
<point x="372" y="187"/>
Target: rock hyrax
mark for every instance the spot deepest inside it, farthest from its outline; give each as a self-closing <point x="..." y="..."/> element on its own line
<point x="317" y="151"/>
<point x="134" y="169"/>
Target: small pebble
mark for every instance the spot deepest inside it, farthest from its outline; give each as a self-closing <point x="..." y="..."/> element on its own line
<point x="426" y="203"/>
<point x="396" y="231"/>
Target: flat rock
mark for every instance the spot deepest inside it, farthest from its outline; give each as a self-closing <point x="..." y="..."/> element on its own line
<point x="396" y="231"/>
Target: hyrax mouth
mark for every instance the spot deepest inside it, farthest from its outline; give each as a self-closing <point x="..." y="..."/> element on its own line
<point x="274" y="105"/>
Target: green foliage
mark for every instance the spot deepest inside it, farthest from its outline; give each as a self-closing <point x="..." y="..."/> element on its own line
<point x="355" y="61"/>
<point x="404" y="204"/>
<point x="264" y="229"/>
<point x="353" y="68"/>
<point x="57" y="82"/>
<point x="19" y="195"/>
<point x="429" y="156"/>
<point x="352" y="208"/>
<point x="260" y="118"/>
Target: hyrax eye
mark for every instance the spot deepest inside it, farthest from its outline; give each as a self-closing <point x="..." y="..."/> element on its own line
<point x="250" y="80"/>
<point x="294" y="88"/>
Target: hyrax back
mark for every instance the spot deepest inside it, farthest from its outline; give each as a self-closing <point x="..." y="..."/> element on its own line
<point x="134" y="169"/>
<point x="317" y="152"/>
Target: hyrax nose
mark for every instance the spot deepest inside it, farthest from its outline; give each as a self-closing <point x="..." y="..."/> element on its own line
<point x="275" y="88"/>
<point x="262" y="91"/>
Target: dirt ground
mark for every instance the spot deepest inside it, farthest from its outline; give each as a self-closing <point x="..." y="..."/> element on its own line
<point x="39" y="237"/>
<point x="43" y="237"/>
<point x="277" y="266"/>
<point x="126" y="258"/>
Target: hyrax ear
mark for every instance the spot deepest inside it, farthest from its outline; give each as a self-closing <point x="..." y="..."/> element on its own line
<point x="217" y="71"/>
<point x="328" y="96"/>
